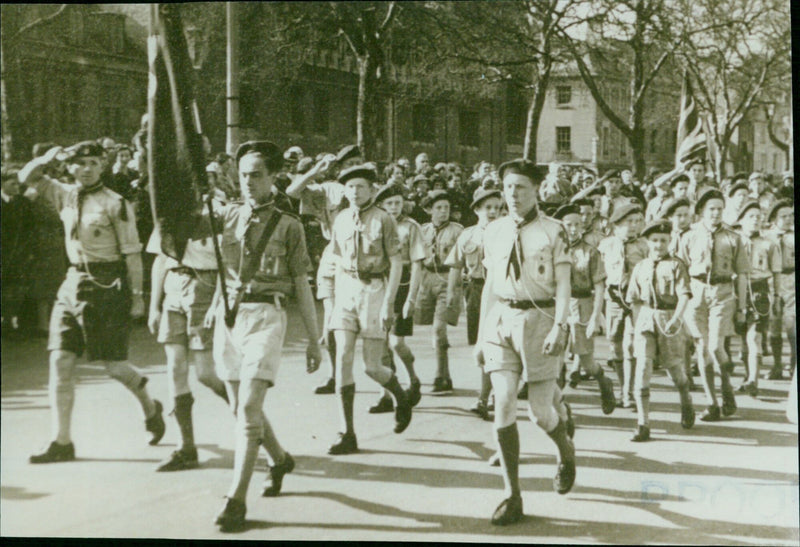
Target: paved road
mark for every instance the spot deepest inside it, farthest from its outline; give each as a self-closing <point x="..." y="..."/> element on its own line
<point x="734" y="482"/>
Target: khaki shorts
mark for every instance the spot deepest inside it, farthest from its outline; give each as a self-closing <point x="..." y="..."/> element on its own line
<point x="432" y="301"/>
<point x="709" y="314"/>
<point x="580" y="309"/>
<point x="514" y="340"/>
<point x="252" y="348"/>
<point x="357" y="306"/>
<point x="186" y="301"/>
<point x="649" y="342"/>
<point x="619" y="331"/>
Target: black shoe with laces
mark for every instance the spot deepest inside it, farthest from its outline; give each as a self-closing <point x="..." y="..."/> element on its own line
<point x="414" y="393"/>
<point x="508" y="512"/>
<point x="155" y="424"/>
<point x="347" y="444"/>
<point x="442" y="386"/>
<point x="274" y="480"/>
<point x="327" y="388"/>
<point x="385" y="404"/>
<point x="232" y="515"/>
<point x="55" y="453"/>
<point x="180" y="460"/>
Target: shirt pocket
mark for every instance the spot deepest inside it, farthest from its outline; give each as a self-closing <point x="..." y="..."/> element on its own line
<point x="95" y="224"/>
<point x="472" y="255"/>
<point x="543" y="265"/>
<point x="274" y="260"/>
<point x="372" y="239"/>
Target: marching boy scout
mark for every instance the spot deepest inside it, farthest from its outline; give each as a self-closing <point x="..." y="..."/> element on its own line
<point x="467" y="256"/>
<point x="247" y="352"/>
<point x="781" y="216"/>
<point x="765" y="267"/>
<point x="439" y="236"/>
<point x="101" y="292"/>
<point x="180" y="297"/>
<point x="412" y="251"/>
<point x="585" y="305"/>
<point x="621" y="252"/>
<point x="658" y="293"/>
<point x="367" y="248"/>
<point x="523" y="327"/>
<point x="714" y="254"/>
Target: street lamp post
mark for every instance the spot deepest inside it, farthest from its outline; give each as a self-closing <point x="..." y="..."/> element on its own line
<point x="232" y="88"/>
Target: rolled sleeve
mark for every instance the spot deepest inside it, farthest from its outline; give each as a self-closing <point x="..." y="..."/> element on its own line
<point x="297" y="260"/>
<point x="742" y="263"/>
<point x="391" y="242"/>
<point x="561" y="253"/>
<point x="416" y="249"/>
<point x="682" y="285"/>
<point x="598" y="270"/>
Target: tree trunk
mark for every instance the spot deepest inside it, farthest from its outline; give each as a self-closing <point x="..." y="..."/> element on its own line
<point x="535" y="113"/>
<point x="363" y="67"/>
<point x="7" y="142"/>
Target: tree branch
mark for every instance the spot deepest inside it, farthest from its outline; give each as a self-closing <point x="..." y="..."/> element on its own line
<point x="36" y="23"/>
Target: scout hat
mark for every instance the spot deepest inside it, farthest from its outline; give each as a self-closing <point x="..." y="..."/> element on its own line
<point x="657" y="227"/>
<point x="624" y="210"/>
<point x="706" y="195"/>
<point x="749" y="204"/>
<point x="419" y="178"/>
<point x="273" y="158"/>
<point x="483" y="194"/>
<point x="388" y="191"/>
<point x="358" y="171"/>
<point x="349" y="151"/>
<point x="738" y="176"/>
<point x="436" y="195"/>
<point x="568" y="209"/>
<point x="523" y="167"/>
<point x="670" y="206"/>
<point x="735" y="187"/>
<point x="777" y="207"/>
<point x="83" y="149"/>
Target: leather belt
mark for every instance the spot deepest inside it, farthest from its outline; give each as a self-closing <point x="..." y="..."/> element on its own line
<point x="715" y="279"/>
<point x="581" y="293"/>
<point x="666" y="307"/>
<point x="186" y="270"/>
<point x="437" y="269"/>
<point x="251" y="298"/>
<point x="477" y="280"/>
<point x="365" y="276"/>
<point x="97" y="267"/>
<point x="528" y="304"/>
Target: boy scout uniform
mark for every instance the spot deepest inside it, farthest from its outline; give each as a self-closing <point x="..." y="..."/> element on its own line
<point x="412" y="249"/>
<point x="251" y="349"/>
<point x="363" y="242"/>
<point x="656" y="285"/>
<point x="786" y="291"/>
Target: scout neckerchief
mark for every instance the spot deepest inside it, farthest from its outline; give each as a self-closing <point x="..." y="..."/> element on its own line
<point x="79" y="197"/>
<point x="359" y="226"/>
<point x="713" y="233"/>
<point x="516" y="257"/>
<point x="437" y="231"/>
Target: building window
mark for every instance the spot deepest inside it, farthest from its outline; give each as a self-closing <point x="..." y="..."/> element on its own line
<point x="653" y="138"/>
<point x="296" y="109"/>
<point x="469" y="128"/>
<point x="606" y="141"/>
<point x="423" y="123"/>
<point x="563" y="95"/>
<point x="563" y="140"/>
<point x="321" y="112"/>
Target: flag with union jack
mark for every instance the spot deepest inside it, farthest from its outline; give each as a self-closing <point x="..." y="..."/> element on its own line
<point x="691" y="138"/>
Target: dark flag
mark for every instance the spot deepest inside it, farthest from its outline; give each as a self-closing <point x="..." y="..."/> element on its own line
<point x="691" y="137"/>
<point x="175" y="157"/>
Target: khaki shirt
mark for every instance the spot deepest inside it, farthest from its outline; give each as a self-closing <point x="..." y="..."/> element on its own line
<point x="765" y="256"/>
<point x="199" y="252"/>
<point x="729" y="256"/>
<point x="594" y="236"/>
<point x="365" y="239"/>
<point x="654" y="208"/>
<point x="409" y="234"/>
<point x="587" y="266"/>
<point x="785" y="242"/>
<point x="675" y="241"/>
<point x="620" y="257"/>
<point x="658" y="283"/>
<point x="103" y="235"/>
<point x="285" y="256"/>
<point x="438" y="242"/>
<point x="544" y="246"/>
<point x="323" y="201"/>
<point x="467" y="253"/>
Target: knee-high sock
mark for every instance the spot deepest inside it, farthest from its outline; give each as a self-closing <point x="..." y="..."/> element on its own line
<point x="183" y="415"/>
<point x="642" y="398"/>
<point x="393" y="386"/>
<point x="508" y="441"/>
<point x="566" y="450"/>
<point x="347" y="396"/>
<point x="62" y="400"/>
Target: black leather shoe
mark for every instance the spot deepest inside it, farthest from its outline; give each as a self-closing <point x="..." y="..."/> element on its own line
<point x="402" y="414"/>
<point x="55" y="453"/>
<point x="728" y="403"/>
<point x="155" y="424"/>
<point x="752" y="389"/>
<point x="180" y="460"/>
<point x="384" y="405"/>
<point x="565" y="476"/>
<point x="607" y="400"/>
<point x="742" y="388"/>
<point x="328" y="388"/>
<point x="414" y="393"/>
<point x="480" y="408"/>
<point x="508" y="512"/>
<point x="570" y="425"/>
<point x="232" y="515"/>
<point x="711" y="414"/>
<point x="687" y="416"/>
<point x="642" y="434"/>
<point x="442" y="386"/>
<point x="346" y="444"/>
<point x="575" y="379"/>
<point x="775" y="374"/>
<point x="274" y="480"/>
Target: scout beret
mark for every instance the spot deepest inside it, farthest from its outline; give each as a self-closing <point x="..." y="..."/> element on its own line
<point x="523" y="167"/>
<point x="738" y="176"/>
<point x="746" y="206"/>
<point x="756" y="175"/>
<point x="568" y="209"/>
<point x="548" y="209"/>
<point x="624" y="210"/>
<point x="777" y="207"/>
<point x="358" y="171"/>
<point x="670" y="206"/>
<point x="679" y="178"/>
<point x="436" y="195"/>
<point x="482" y="194"/>
<point x="273" y="158"/>
<point x="737" y="186"/>
<point x="705" y="195"/>
<point x="388" y="191"/>
<point x="293" y="153"/>
<point x="349" y="151"/>
<point x="83" y="149"/>
<point x="419" y="178"/>
<point x="440" y="166"/>
<point x="657" y="227"/>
